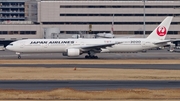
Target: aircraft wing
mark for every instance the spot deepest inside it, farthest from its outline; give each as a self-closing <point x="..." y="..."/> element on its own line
<point x="98" y="47"/>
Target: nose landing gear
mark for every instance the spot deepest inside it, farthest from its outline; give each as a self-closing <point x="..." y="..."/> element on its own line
<point x="19" y="55"/>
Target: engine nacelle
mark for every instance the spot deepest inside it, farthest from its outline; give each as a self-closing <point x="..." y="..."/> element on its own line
<point x="72" y="52"/>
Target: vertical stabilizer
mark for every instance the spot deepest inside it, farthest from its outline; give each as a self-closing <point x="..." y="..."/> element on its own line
<point x="161" y="31"/>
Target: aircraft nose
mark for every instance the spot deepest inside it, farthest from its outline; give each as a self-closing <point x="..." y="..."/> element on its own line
<point x="8" y="47"/>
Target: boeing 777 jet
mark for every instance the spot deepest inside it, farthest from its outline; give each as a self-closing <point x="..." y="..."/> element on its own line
<point x="76" y="47"/>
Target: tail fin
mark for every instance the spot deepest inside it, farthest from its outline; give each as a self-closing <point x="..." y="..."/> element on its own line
<point x="161" y="31"/>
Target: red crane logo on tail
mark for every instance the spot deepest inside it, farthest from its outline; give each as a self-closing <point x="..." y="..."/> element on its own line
<point x="161" y="31"/>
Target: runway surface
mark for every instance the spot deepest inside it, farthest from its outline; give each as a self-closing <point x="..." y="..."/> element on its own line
<point x="110" y="66"/>
<point x="94" y="85"/>
<point x="87" y="85"/>
<point x="150" y="54"/>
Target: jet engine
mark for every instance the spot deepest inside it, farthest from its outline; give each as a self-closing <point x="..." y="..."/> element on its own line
<point x="72" y="52"/>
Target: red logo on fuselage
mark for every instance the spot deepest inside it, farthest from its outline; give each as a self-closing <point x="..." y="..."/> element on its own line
<point x="161" y="31"/>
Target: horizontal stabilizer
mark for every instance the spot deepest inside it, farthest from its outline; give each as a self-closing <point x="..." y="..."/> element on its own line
<point x="163" y="42"/>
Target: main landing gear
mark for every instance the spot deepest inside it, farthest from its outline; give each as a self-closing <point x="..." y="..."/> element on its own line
<point x="91" y="55"/>
<point x="19" y="55"/>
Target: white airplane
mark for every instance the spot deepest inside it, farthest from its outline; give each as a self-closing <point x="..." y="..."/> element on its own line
<point x="107" y="35"/>
<point x="76" y="47"/>
<point x="104" y="35"/>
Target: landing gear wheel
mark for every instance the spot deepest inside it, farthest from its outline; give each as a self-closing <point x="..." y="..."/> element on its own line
<point x="91" y="57"/>
<point x="96" y="57"/>
<point x="87" y="57"/>
<point x="19" y="56"/>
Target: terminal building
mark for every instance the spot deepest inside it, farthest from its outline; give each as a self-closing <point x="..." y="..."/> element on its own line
<point x="22" y="19"/>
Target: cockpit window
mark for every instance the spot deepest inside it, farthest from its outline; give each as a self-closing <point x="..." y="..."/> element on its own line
<point x="11" y="44"/>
